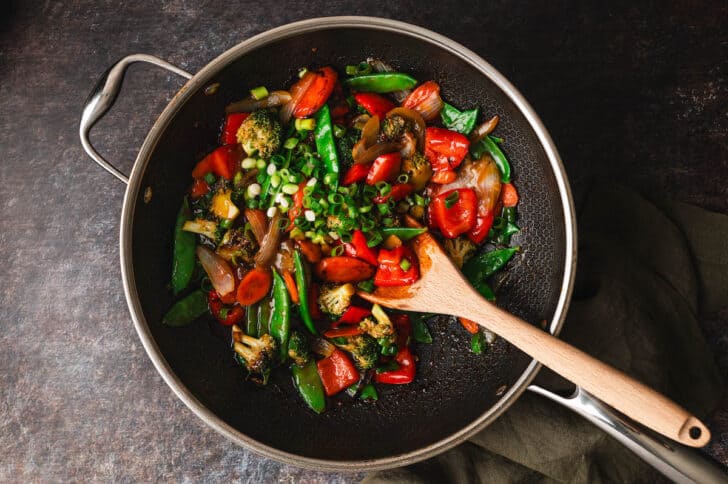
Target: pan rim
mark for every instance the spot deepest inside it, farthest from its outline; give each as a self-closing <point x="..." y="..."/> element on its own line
<point x="201" y="79"/>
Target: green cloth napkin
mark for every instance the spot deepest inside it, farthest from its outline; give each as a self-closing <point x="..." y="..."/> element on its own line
<point x="645" y="273"/>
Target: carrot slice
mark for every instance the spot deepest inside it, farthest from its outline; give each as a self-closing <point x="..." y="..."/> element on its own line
<point x="291" y="285"/>
<point x="509" y="195"/>
<point x="254" y="286"/>
<point x="471" y="326"/>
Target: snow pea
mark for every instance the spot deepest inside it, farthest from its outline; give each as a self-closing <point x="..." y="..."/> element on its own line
<point x="251" y="320"/>
<point x="264" y="316"/>
<point x="184" y="251"/>
<point x="403" y="233"/>
<point x="326" y="147"/>
<point x="491" y="147"/>
<point x="309" y="386"/>
<point x="280" y="320"/>
<point x="186" y="310"/>
<point x="382" y="82"/>
<point x="485" y="265"/>
<point x="303" y="293"/>
<point x="368" y="392"/>
<point x="477" y="343"/>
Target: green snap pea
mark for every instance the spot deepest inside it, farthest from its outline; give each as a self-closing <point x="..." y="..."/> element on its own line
<point x="420" y="331"/>
<point x="302" y="285"/>
<point x="251" y="320"/>
<point x="309" y="386"/>
<point x="382" y="82"/>
<point x="485" y="265"/>
<point x="477" y="343"/>
<point x="403" y="233"/>
<point x="280" y="320"/>
<point x="326" y="147"/>
<point x="264" y="316"/>
<point x="184" y="251"/>
<point x="491" y="147"/>
<point x="186" y="310"/>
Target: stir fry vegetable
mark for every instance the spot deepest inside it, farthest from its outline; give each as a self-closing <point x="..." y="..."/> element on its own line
<point x="315" y="193"/>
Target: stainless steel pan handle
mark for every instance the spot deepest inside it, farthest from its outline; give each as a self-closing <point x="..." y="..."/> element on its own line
<point x="677" y="462"/>
<point x="102" y="97"/>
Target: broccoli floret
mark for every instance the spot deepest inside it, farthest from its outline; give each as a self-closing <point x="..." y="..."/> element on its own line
<point x="298" y="349"/>
<point x="419" y="170"/>
<point x="363" y="349"/>
<point x="345" y="145"/>
<point x="256" y="354"/>
<point x="260" y="133"/>
<point x="336" y="298"/>
<point x="236" y="247"/>
<point x="393" y="128"/>
<point x="460" y="249"/>
<point x="381" y="328"/>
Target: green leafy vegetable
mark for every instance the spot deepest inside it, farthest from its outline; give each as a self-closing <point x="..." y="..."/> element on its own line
<point x="460" y="121"/>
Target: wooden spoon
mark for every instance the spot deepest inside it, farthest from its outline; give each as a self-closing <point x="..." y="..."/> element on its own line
<point x="443" y="289"/>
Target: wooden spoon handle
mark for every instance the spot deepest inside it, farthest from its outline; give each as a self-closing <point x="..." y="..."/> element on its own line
<point x="634" y="399"/>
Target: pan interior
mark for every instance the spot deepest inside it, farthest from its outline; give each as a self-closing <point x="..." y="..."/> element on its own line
<point x="453" y="386"/>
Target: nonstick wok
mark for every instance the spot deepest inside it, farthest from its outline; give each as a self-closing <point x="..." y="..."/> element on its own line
<point x="456" y="393"/>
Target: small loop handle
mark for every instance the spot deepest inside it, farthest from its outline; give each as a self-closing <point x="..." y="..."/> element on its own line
<point x="102" y="97"/>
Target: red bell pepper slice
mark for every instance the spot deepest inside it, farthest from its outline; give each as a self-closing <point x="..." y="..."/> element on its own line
<point x="337" y="372"/>
<point x="389" y="267"/>
<point x="375" y="104"/>
<point x="199" y="188"/>
<point x="297" y="208"/>
<point x="482" y="226"/>
<point x="406" y="372"/>
<point x="425" y="99"/>
<point x="224" y="162"/>
<point x="317" y="93"/>
<point x="445" y="149"/>
<point x="356" y="173"/>
<point x="353" y="315"/>
<point x="234" y="315"/>
<point x="459" y="217"/>
<point x="230" y="128"/>
<point x="399" y="192"/>
<point x="344" y="332"/>
<point x="360" y="249"/>
<point x="384" y="168"/>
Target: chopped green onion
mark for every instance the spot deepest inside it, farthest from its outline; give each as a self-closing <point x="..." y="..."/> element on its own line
<point x="259" y="93"/>
<point x="237" y="178"/>
<point x="271" y="169"/>
<point x="337" y="251"/>
<point x="249" y="163"/>
<point x="290" y="143"/>
<point x="223" y="313"/>
<point x="289" y="188"/>
<point x="339" y="131"/>
<point x="365" y="209"/>
<point x="419" y="200"/>
<point x="284" y="223"/>
<point x="253" y="190"/>
<point x="226" y="223"/>
<point x="275" y="180"/>
<point x="306" y="124"/>
<point x="405" y="264"/>
<point x="374" y="238"/>
<point x="451" y="199"/>
<point x="403" y="178"/>
<point x="302" y="72"/>
<point x="366" y="286"/>
<point x="330" y="178"/>
<point x="260" y="164"/>
<point x="210" y="178"/>
<point x="383" y="208"/>
<point x="335" y="198"/>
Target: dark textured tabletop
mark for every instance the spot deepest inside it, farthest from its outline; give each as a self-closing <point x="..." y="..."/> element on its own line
<point x="635" y="93"/>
